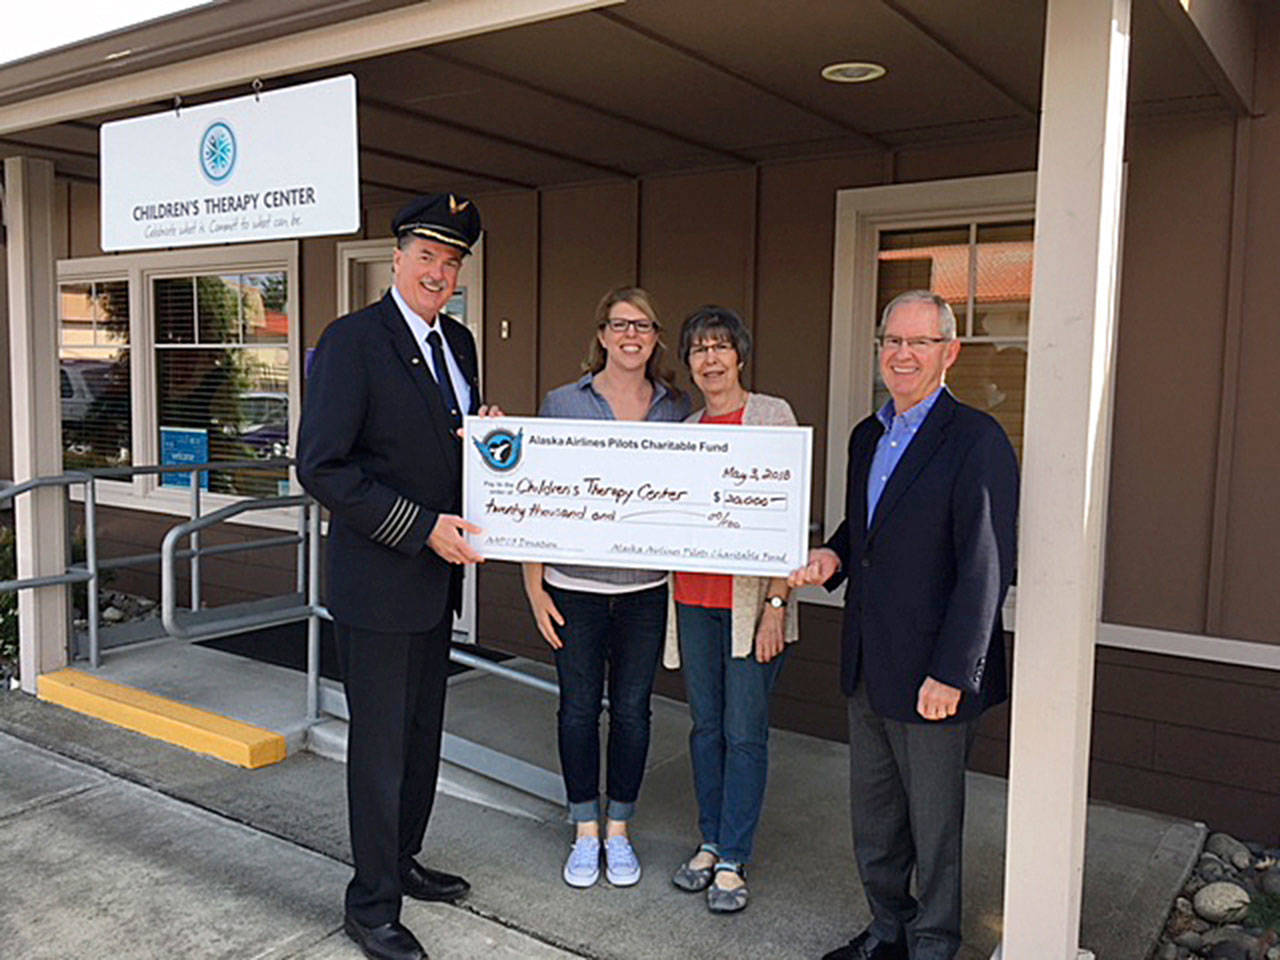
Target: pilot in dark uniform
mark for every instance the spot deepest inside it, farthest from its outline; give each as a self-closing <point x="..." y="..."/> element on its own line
<point x="385" y="394"/>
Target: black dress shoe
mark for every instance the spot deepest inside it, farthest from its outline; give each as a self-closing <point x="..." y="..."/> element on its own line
<point x="423" y="883"/>
<point x="867" y="947"/>
<point x="389" y="941"/>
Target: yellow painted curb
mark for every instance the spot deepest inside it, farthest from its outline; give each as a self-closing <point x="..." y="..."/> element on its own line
<point x="199" y="730"/>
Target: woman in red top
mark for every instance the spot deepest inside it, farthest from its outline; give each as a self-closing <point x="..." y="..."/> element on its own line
<point x="732" y="636"/>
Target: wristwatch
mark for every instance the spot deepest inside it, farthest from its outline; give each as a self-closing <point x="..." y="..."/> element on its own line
<point x="776" y="602"/>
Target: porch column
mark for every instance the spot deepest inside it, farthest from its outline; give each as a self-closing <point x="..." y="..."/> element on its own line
<point x="39" y="516"/>
<point x="1064" y="471"/>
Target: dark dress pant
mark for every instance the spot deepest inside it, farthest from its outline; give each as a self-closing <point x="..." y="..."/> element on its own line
<point x="906" y="791"/>
<point x="395" y="685"/>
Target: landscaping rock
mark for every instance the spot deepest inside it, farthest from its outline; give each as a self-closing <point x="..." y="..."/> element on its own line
<point x="1211" y="868"/>
<point x="1228" y="950"/>
<point x="113" y="615"/>
<point x="1269" y="882"/>
<point x="1230" y="850"/>
<point x="1222" y="902"/>
<point x="1189" y="939"/>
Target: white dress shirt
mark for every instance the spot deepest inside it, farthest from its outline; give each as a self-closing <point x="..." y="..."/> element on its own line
<point x="419" y="328"/>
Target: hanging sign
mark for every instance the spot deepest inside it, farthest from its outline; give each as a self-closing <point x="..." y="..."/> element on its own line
<point x="259" y="167"/>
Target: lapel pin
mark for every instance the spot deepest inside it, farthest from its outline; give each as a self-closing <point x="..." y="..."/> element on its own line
<point x="414" y="360"/>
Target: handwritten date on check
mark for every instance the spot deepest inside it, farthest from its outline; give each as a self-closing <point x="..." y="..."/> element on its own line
<point x="667" y="496"/>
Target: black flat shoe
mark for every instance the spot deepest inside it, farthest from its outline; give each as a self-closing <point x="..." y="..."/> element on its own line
<point x="388" y="941"/>
<point x="866" y="947"/>
<point x="423" y="883"/>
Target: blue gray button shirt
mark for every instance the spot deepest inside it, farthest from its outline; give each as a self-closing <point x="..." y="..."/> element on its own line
<point x="899" y="431"/>
<point x="581" y="401"/>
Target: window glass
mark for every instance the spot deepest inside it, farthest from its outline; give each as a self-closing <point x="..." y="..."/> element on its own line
<point x="93" y="355"/>
<point x="224" y="395"/>
<point x="175" y="310"/>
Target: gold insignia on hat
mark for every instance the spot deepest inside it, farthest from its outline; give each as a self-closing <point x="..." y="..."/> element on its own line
<point x="455" y="207"/>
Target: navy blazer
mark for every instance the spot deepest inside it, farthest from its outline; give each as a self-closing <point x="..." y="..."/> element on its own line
<point x="926" y="582"/>
<point x="377" y="448"/>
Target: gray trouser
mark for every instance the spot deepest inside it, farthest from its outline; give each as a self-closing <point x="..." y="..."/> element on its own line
<point x="906" y="792"/>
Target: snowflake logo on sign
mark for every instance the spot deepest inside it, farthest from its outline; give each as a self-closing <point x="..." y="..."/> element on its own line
<point x="218" y="152"/>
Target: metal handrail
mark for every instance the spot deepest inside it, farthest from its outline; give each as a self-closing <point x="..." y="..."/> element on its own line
<point x="55" y="579"/>
<point x="90" y="570"/>
<point x="307" y="539"/>
<point x="168" y="576"/>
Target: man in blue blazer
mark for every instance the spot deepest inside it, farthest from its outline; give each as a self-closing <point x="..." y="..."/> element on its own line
<point x="927" y="550"/>
<point x="378" y="446"/>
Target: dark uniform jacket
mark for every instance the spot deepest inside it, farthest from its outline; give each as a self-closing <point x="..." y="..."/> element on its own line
<point x="376" y="447"/>
<point x="928" y="579"/>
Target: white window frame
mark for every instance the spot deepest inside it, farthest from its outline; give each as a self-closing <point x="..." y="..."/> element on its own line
<point x="862" y="214"/>
<point x="145" y="492"/>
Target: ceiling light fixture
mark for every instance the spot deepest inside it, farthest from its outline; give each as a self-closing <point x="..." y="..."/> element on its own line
<point x="119" y="54"/>
<point x="852" y="71"/>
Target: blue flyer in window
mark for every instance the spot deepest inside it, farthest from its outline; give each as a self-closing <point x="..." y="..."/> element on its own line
<point x="183" y="445"/>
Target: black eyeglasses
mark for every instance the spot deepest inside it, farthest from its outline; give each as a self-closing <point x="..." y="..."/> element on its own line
<point x="619" y="325"/>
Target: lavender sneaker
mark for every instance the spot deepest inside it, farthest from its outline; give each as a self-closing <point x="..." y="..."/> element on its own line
<point x="582" y="869"/>
<point x="622" y="869"/>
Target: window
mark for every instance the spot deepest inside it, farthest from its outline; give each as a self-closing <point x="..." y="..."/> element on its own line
<point x="984" y="272"/>
<point x="222" y="375"/>
<point x="182" y="356"/>
<point x="94" y="375"/>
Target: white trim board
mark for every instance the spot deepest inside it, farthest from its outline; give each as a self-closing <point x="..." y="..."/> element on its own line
<point x="357" y="39"/>
<point x="1195" y="646"/>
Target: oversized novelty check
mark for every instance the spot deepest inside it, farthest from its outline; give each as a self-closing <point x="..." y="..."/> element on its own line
<point x="668" y="496"/>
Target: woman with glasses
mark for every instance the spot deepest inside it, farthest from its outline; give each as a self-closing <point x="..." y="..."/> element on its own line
<point x="729" y="636"/>
<point x="602" y="621"/>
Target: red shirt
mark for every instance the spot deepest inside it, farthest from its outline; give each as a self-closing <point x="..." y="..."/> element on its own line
<point x="713" y="590"/>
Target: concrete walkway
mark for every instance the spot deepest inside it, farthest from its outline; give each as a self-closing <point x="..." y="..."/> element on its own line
<point x="805" y="895"/>
<point x="97" y="866"/>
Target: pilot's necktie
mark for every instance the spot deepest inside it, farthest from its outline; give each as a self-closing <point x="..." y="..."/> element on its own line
<point x="443" y="380"/>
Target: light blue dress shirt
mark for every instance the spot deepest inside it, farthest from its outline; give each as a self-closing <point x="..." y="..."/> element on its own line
<point x="419" y="328"/>
<point x="899" y="431"/>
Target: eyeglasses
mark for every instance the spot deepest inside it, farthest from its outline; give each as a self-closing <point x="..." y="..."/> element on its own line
<point x="619" y="325"/>
<point x="914" y="344"/>
<point x="719" y="348"/>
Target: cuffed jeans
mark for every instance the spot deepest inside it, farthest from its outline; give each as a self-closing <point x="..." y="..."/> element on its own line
<point x="622" y="635"/>
<point x="729" y="742"/>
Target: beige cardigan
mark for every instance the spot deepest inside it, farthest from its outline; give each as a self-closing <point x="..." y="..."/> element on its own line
<point x="748" y="592"/>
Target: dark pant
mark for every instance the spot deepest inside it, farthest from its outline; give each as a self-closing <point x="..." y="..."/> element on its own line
<point x="906" y="790"/>
<point x="625" y="632"/>
<point x="729" y="742"/>
<point x="395" y="684"/>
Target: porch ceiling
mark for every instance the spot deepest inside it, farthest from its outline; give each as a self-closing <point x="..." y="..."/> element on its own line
<point x="651" y="86"/>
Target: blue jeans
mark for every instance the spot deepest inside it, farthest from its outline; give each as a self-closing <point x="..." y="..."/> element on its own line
<point x="729" y="742"/>
<point x="625" y="632"/>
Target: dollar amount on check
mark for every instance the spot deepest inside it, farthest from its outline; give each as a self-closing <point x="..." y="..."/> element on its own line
<point x="718" y="499"/>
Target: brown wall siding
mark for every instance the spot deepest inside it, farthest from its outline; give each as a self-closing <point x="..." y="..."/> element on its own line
<point x="1251" y="602"/>
<point x="697" y="244"/>
<point x="1169" y="373"/>
<point x="511" y="296"/>
<point x="793" y="288"/>
<point x="587" y="239"/>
